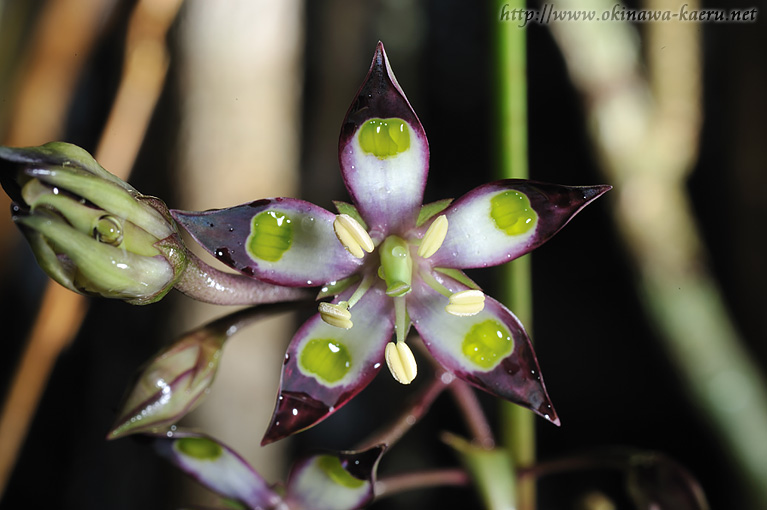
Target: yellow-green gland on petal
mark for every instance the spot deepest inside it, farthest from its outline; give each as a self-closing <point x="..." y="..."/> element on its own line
<point x="401" y="362"/>
<point x="337" y="315"/>
<point x="352" y="235"/>
<point x="466" y="303"/>
<point x="434" y="237"/>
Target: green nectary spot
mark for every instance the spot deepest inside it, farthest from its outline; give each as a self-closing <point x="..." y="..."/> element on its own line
<point x="487" y="343"/>
<point x="271" y="234"/>
<point x="384" y="137"/>
<point x="332" y="467"/>
<point x="199" y="447"/>
<point x="326" y="358"/>
<point x="512" y="213"/>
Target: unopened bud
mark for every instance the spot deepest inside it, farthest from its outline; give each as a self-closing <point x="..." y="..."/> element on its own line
<point x="90" y="231"/>
<point x="171" y="384"/>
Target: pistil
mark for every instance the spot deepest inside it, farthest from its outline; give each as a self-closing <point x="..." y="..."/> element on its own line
<point x="396" y="266"/>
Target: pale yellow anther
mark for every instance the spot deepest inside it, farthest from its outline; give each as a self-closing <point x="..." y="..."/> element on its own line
<point x="433" y="238"/>
<point x="401" y="362"/>
<point x="337" y="315"/>
<point x="466" y="303"/>
<point x="352" y="235"/>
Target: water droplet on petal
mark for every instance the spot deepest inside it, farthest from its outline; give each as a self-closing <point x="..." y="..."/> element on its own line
<point x="108" y="230"/>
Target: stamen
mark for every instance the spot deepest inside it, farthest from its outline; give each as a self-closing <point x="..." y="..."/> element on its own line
<point x="337" y="315"/>
<point x="434" y="237"/>
<point x="401" y="362"/>
<point x="352" y="235"/>
<point x="432" y="282"/>
<point x="466" y="303"/>
<point x="365" y="284"/>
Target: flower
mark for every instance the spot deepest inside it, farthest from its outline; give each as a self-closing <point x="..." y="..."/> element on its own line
<point x="330" y="481"/>
<point x="392" y="263"/>
<point x="90" y="231"/>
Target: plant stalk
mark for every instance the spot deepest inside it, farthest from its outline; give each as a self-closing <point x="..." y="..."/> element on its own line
<point x="518" y="430"/>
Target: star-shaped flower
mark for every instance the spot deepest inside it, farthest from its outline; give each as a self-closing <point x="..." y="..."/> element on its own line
<point x="391" y="262"/>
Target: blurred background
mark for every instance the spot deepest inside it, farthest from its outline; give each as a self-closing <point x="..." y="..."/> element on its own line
<point x="226" y="102"/>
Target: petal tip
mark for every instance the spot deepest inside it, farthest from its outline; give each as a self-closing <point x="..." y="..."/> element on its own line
<point x="294" y="412"/>
<point x="591" y="193"/>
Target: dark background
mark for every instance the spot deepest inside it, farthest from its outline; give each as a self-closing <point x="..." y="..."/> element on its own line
<point x="605" y="366"/>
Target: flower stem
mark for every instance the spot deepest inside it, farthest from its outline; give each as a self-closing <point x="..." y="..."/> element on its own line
<point x="393" y="485"/>
<point x="475" y="418"/>
<point x="209" y="285"/>
<point x="511" y="92"/>
<point x="412" y="414"/>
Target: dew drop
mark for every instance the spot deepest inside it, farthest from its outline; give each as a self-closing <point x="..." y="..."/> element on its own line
<point x="108" y="230"/>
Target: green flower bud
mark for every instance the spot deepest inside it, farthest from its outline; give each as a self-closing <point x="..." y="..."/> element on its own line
<point x="172" y="384"/>
<point x="90" y="231"/>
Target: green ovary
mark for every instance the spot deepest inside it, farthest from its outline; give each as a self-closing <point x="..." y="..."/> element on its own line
<point x="512" y="213"/>
<point x="326" y="358"/>
<point x="199" y="448"/>
<point x="271" y="235"/>
<point x="487" y="343"/>
<point x="384" y="137"/>
<point x="332" y="467"/>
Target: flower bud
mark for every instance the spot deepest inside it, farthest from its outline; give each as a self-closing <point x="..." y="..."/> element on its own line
<point x="172" y="384"/>
<point x="90" y="231"/>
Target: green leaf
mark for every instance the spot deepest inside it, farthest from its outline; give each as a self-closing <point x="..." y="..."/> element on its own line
<point x="491" y="470"/>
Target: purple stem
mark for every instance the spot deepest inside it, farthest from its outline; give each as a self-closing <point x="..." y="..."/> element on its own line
<point x="415" y="412"/>
<point x="473" y="414"/>
<point x="393" y="485"/>
<point x="207" y="284"/>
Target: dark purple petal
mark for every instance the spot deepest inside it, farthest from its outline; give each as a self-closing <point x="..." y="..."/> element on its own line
<point x="490" y="350"/>
<point x="325" y="366"/>
<point x="385" y="175"/>
<point x="503" y="220"/>
<point x="217" y="467"/>
<point x="284" y="241"/>
<point x="342" y="481"/>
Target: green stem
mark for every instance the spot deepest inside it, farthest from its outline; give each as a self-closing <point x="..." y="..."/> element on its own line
<point x="511" y="81"/>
